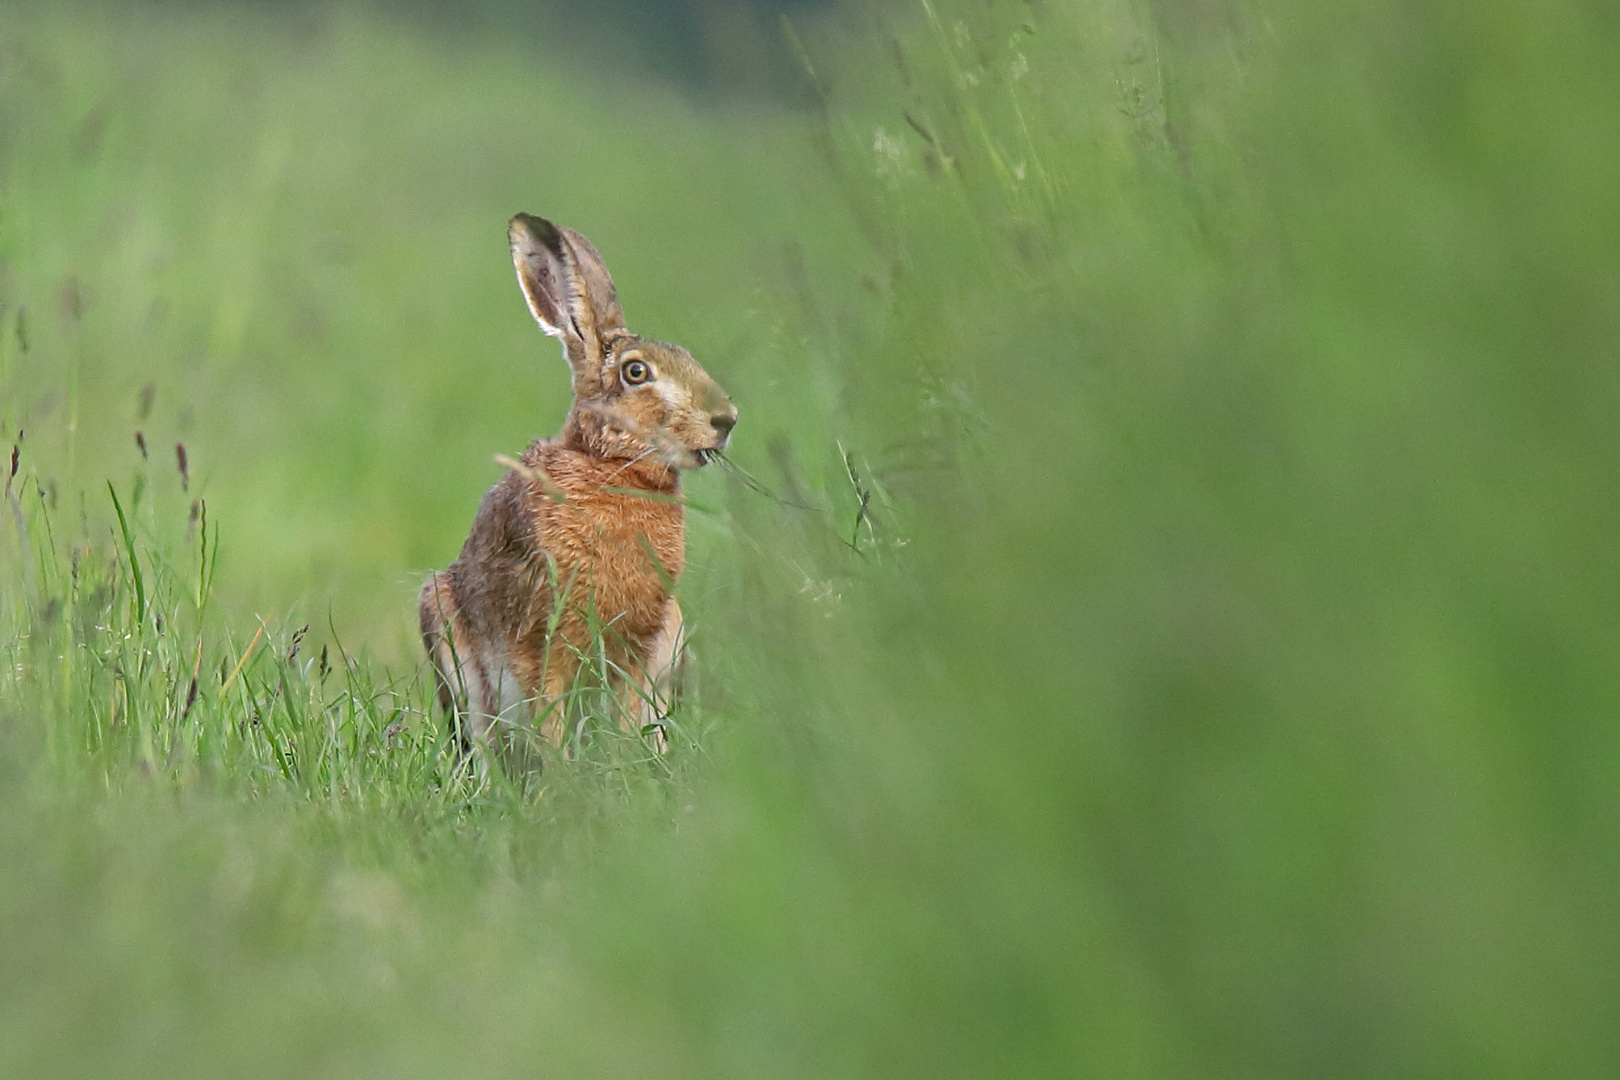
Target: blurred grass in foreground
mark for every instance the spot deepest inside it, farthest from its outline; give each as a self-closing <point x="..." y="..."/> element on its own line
<point x="1219" y="679"/>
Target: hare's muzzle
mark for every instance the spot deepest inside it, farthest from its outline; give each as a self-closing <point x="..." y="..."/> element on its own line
<point x="722" y="424"/>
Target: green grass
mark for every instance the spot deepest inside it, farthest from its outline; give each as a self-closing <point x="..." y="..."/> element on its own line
<point x="1176" y="635"/>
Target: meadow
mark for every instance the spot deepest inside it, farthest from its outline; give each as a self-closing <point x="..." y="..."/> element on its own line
<point x="1160" y="617"/>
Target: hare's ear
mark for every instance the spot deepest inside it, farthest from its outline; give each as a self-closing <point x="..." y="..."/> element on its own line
<point x="604" y="298"/>
<point x="566" y="284"/>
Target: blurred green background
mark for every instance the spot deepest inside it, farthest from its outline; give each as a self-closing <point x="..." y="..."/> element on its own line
<point x="1173" y="627"/>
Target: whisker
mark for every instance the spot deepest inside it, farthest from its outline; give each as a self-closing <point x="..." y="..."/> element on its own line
<point x="754" y="485"/>
<point x="632" y="461"/>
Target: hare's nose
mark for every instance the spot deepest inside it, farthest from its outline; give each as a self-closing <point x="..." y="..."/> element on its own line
<point x="724" y="422"/>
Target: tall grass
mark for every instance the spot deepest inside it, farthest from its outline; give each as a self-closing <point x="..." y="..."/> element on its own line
<point x="1161" y="620"/>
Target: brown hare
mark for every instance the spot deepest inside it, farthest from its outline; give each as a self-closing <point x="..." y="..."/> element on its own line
<point x="580" y="544"/>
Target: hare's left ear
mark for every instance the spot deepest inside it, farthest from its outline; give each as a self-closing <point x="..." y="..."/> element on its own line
<point x="606" y="313"/>
<point x="567" y="287"/>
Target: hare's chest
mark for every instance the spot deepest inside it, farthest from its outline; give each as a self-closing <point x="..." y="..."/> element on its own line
<point x="617" y="555"/>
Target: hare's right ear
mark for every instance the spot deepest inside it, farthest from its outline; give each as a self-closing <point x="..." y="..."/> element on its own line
<point x="567" y="287"/>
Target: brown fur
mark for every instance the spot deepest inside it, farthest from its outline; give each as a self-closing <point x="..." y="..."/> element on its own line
<point x="586" y="534"/>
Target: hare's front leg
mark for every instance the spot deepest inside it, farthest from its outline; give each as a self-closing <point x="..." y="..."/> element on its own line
<point x="658" y="682"/>
<point x="556" y="684"/>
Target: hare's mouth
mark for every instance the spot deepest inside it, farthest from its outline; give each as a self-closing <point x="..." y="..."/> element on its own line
<point x="678" y="455"/>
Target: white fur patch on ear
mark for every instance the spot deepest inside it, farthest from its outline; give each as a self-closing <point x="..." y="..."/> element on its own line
<point x="550" y="330"/>
<point x="548" y="273"/>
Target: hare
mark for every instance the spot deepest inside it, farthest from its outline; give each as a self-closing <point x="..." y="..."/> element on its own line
<point x="586" y="535"/>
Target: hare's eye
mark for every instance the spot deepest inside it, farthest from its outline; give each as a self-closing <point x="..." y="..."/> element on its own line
<point x="635" y="372"/>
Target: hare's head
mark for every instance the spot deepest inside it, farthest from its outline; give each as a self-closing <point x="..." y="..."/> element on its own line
<point x="633" y="397"/>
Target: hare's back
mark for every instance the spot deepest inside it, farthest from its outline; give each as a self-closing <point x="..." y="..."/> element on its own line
<point x="502" y="564"/>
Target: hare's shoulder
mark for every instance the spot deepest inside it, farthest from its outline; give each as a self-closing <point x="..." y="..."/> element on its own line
<point x="502" y="525"/>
